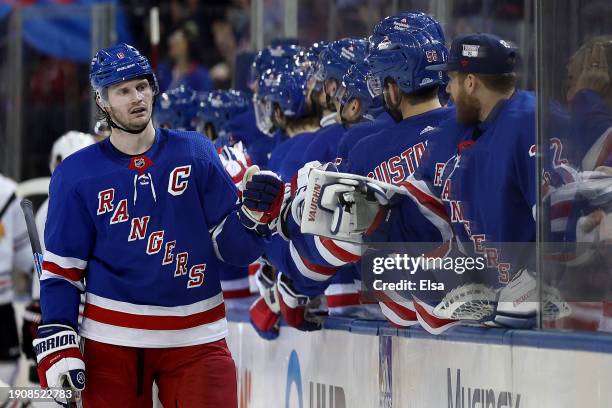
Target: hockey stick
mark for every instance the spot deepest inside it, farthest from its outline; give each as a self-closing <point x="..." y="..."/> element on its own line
<point x="28" y="213"/>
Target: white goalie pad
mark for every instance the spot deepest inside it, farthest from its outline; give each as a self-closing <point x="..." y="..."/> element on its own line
<point x="343" y="206"/>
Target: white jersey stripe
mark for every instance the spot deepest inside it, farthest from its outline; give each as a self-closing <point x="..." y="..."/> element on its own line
<point x="64" y="262"/>
<point x="149" y="310"/>
<point x="50" y="275"/>
<point x="125" y="336"/>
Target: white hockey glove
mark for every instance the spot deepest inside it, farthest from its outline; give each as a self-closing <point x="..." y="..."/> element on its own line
<point x="267" y="290"/>
<point x="60" y="362"/>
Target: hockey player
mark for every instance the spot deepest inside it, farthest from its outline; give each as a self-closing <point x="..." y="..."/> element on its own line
<point x="141" y="222"/>
<point x="411" y="98"/>
<point x="63" y="147"/>
<point x="358" y="109"/>
<point x="490" y="112"/>
<point x="404" y="21"/>
<point x="285" y="95"/>
<point x="334" y="62"/>
<point x="287" y="100"/>
<point x="277" y="57"/>
<point x="15" y="255"/>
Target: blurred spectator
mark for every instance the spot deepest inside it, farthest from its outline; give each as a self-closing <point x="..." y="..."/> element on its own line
<point x="226" y="45"/>
<point x="185" y="66"/>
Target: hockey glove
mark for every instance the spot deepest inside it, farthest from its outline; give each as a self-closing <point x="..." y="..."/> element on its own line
<point x="357" y="206"/>
<point x="266" y="283"/>
<point x="29" y="328"/>
<point x="299" y="311"/>
<point x="263" y="194"/>
<point x="60" y="362"/>
<point x="264" y="321"/>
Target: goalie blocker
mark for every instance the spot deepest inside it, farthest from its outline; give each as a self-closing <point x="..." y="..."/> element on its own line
<point x="344" y="206"/>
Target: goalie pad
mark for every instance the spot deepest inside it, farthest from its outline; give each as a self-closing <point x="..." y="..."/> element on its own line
<point x="515" y="305"/>
<point x="343" y="206"/>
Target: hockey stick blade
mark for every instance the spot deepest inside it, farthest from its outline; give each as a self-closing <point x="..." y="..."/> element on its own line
<point x="28" y="213"/>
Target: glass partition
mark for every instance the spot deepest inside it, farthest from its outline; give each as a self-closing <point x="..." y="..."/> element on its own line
<point x="575" y="136"/>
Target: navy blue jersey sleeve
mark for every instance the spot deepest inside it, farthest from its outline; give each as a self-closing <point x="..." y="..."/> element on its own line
<point x="69" y="241"/>
<point x="220" y="200"/>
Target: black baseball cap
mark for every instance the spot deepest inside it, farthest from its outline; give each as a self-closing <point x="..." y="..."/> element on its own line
<point x="479" y="53"/>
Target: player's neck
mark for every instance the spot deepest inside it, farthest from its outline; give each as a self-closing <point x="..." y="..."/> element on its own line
<point x="133" y="144"/>
<point x="489" y="100"/>
<point x="409" y="110"/>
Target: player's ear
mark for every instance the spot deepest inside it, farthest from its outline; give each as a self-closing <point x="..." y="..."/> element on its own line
<point x="469" y="84"/>
<point x="393" y="92"/>
<point x="350" y="111"/>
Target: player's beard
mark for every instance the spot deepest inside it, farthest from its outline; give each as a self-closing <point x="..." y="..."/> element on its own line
<point x="133" y="125"/>
<point x="394" y="111"/>
<point x="468" y="108"/>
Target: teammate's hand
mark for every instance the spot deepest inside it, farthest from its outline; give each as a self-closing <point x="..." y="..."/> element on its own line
<point x="60" y="362"/>
<point x="264" y="320"/>
<point x="263" y="194"/>
<point x="298" y="310"/>
<point x="267" y="289"/>
<point x="29" y="328"/>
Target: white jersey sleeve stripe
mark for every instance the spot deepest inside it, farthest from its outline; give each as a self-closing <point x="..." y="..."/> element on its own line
<point x="64" y="261"/>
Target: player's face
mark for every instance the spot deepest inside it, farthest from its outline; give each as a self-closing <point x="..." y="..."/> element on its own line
<point x="351" y="111"/>
<point x="467" y="106"/>
<point x="131" y="103"/>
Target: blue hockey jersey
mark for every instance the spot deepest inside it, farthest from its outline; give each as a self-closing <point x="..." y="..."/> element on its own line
<point x="325" y="144"/>
<point x="261" y="150"/>
<point x="243" y="128"/>
<point x="390" y="155"/>
<point x="357" y="132"/>
<point x="144" y="237"/>
<point x="488" y="186"/>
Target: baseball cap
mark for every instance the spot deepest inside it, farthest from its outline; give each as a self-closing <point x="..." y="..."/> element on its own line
<point x="479" y="53"/>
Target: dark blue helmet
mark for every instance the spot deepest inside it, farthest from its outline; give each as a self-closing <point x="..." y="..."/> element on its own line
<point x="354" y="86"/>
<point x="403" y="57"/>
<point x="117" y="64"/>
<point x="279" y="57"/>
<point x="176" y="108"/>
<point x="336" y="59"/>
<point x="306" y="60"/>
<point x="289" y="93"/>
<point x="406" y="21"/>
<point x="287" y="90"/>
<point x="216" y="108"/>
